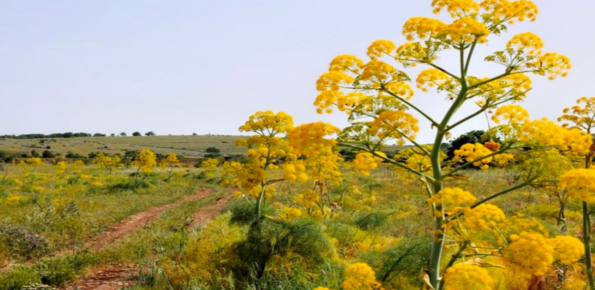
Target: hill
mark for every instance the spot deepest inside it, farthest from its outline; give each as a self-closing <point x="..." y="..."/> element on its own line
<point x="188" y="146"/>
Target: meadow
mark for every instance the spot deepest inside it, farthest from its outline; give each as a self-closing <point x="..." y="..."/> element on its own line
<point x="313" y="206"/>
<point x="188" y="146"/>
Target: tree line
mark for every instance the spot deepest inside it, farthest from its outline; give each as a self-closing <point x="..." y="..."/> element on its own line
<point x="70" y="135"/>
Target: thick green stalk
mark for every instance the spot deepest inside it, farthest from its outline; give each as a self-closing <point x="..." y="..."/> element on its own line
<point x="260" y="201"/>
<point x="439" y="232"/>
<point x="586" y="241"/>
<point x="587" y="235"/>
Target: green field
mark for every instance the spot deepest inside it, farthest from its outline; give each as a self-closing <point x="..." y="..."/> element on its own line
<point x="187" y="146"/>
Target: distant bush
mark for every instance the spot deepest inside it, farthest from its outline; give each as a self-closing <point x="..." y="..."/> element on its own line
<point x="136" y="134"/>
<point x="48" y="154"/>
<point x="213" y="150"/>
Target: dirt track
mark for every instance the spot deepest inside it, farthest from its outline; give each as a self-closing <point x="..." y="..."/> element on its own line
<point x="118" y="276"/>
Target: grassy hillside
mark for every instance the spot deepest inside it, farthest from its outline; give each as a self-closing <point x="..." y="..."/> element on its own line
<point x="188" y="146"/>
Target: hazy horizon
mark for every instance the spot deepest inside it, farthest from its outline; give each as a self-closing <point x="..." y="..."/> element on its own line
<point x="204" y="67"/>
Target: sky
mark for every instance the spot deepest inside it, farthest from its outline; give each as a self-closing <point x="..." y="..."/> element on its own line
<point x="195" y="66"/>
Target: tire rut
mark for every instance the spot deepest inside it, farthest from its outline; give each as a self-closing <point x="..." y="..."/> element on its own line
<point x="118" y="276"/>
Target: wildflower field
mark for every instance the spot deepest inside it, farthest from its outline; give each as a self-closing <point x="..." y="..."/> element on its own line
<point x="313" y="206"/>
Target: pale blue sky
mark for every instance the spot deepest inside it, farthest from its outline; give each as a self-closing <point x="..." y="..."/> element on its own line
<point x="178" y="67"/>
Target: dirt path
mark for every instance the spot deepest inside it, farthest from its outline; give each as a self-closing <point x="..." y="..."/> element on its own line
<point x="115" y="277"/>
<point x="208" y="212"/>
<point x="136" y="221"/>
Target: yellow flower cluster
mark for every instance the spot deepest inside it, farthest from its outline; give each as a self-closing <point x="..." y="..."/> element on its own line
<point x="580" y="115"/>
<point x="500" y="11"/>
<point x="344" y="102"/>
<point x="365" y="161"/>
<point x="107" y="162"/>
<point x="544" y="132"/>
<point x="467" y="276"/>
<point x="378" y="72"/>
<point x="423" y="28"/>
<point x="268" y="123"/>
<point x="248" y="177"/>
<point x="145" y="161"/>
<point x="470" y="152"/>
<point x="397" y="125"/>
<point x="360" y="276"/>
<point x="501" y="160"/>
<point x="552" y="65"/>
<point x="295" y="172"/>
<point x="456" y="8"/>
<point x="432" y="78"/>
<point x="453" y="200"/>
<point x="171" y="161"/>
<point x="34" y="161"/>
<point x="482" y="218"/>
<point x="61" y="167"/>
<point x="528" y="42"/>
<point x="210" y="163"/>
<point x="567" y="249"/>
<point x="400" y="89"/>
<point x="467" y="30"/>
<point x="532" y="253"/>
<point x="510" y="88"/>
<point x="512" y="114"/>
<point x="411" y="52"/>
<point x="289" y="213"/>
<point x="308" y="198"/>
<point x="333" y="80"/>
<point x="310" y="139"/>
<point x="380" y="47"/>
<point x="579" y="183"/>
<point x="346" y="62"/>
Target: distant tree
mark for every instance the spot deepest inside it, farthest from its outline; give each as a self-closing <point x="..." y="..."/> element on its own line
<point x="123" y="134"/>
<point x="136" y="134"/>
<point x="112" y="134"/>
<point x="48" y="154"/>
<point x="150" y="133"/>
<point x="98" y="135"/>
<point x="194" y="134"/>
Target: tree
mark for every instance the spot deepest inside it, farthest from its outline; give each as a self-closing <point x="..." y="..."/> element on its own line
<point x="98" y="135"/>
<point x="377" y="100"/>
<point x="123" y="134"/>
<point x="136" y="134"/>
<point x="150" y="133"/>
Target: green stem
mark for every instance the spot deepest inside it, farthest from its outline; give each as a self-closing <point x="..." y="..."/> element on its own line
<point x="586" y="241"/>
<point x="260" y="202"/>
<point x="410" y="105"/>
<point x="439" y="232"/>
<point x="501" y="193"/>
